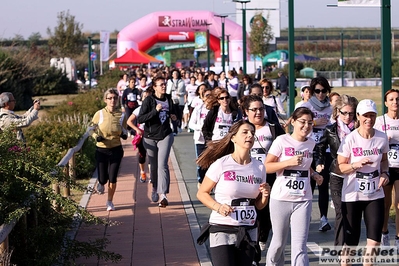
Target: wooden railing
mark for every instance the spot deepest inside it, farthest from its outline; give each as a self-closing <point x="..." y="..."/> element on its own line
<point x="68" y="163"/>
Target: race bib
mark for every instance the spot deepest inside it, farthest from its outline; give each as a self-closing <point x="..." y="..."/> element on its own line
<point x="317" y="134"/>
<point x="296" y="182"/>
<point x="223" y="130"/>
<point x="367" y="183"/>
<point x="258" y="154"/>
<point x="244" y="215"/>
<point x="132" y="97"/>
<point x="393" y="155"/>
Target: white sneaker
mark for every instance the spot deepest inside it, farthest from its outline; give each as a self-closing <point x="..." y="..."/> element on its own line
<point x="385" y="240"/>
<point x="332" y="204"/>
<point x="324" y="225"/>
<point x="110" y="206"/>
<point x="262" y="246"/>
<point x="100" y="188"/>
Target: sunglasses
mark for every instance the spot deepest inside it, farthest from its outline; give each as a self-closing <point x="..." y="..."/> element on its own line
<point x="223" y="98"/>
<point x="347" y="113"/>
<point x="112" y="98"/>
<point x="261" y="109"/>
<point x="317" y="91"/>
<point x="266" y="87"/>
<point x="162" y="84"/>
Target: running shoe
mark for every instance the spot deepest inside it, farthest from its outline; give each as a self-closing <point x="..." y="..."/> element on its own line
<point x="163" y="203"/>
<point x="324" y="225"/>
<point x="262" y="245"/>
<point x="110" y="206"/>
<point x="100" y="188"/>
<point x="154" y="195"/>
<point x="143" y="177"/>
<point x="385" y="240"/>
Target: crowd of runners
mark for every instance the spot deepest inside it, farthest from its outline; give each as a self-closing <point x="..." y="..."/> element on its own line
<point x="257" y="168"/>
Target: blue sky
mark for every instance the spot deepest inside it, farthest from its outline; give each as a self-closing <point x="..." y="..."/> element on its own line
<point x="25" y="17"/>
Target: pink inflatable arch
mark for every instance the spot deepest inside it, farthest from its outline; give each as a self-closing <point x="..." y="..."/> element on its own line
<point x="179" y="26"/>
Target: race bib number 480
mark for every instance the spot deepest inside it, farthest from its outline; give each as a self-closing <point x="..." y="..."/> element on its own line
<point x="245" y="215"/>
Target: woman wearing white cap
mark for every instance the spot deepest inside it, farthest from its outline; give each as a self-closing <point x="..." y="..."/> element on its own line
<point x="362" y="158"/>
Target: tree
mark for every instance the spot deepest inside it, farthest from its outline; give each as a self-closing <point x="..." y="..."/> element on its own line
<point x="260" y="36"/>
<point x="67" y="35"/>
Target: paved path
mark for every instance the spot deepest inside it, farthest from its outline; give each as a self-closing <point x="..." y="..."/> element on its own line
<point x="145" y="234"/>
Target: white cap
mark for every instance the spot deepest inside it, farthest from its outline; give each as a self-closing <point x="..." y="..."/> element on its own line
<point x="366" y="106"/>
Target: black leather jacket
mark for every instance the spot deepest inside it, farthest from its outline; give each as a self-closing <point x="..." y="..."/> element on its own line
<point x="329" y="139"/>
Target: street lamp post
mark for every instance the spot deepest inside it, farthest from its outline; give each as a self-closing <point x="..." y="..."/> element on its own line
<point x="223" y="18"/>
<point x="228" y="49"/>
<point x="89" y="43"/>
<point x="342" y="62"/>
<point x="208" y="52"/>
<point x="244" y="33"/>
<point x="386" y="50"/>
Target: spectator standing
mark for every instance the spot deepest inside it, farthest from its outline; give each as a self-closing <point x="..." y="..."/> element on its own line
<point x="9" y="119"/>
<point x="156" y="112"/>
<point x="232" y="229"/>
<point x="109" y="152"/>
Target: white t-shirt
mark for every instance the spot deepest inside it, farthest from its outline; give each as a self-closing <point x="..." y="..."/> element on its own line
<point x="222" y="124"/>
<point x="262" y="143"/>
<point x="191" y="89"/>
<point x="197" y="121"/>
<point x="276" y="103"/>
<point x="232" y="87"/>
<point x="292" y="183"/>
<point x="355" y="147"/>
<point x="196" y="101"/>
<point x="234" y="181"/>
<point x="136" y="113"/>
<point x="318" y="131"/>
<point x="391" y="128"/>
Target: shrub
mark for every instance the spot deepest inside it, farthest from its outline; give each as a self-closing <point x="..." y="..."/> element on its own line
<point x="25" y="176"/>
<point x="54" y="137"/>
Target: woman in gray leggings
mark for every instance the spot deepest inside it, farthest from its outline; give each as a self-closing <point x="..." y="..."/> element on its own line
<point x="156" y="111"/>
<point x="290" y="157"/>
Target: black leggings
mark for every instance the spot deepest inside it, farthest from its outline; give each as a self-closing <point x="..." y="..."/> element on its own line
<point x="373" y="211"/>
<point x="142" y="152"/>
<point x="108" y="162"/>
<point x="336" y="195"/>
<point x="324" y="196"/>
<point x="229" y="255"/>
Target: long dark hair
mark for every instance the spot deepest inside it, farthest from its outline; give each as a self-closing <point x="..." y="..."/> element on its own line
<point x="219" y="148"/>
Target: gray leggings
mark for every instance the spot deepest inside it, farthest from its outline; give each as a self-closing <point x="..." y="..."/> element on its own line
<point x="284" y="214"/>
<point x="158" y="154"/>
